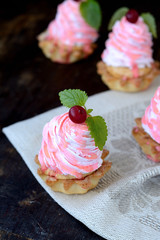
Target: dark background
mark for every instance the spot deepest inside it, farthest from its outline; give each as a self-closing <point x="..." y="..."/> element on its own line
<point x="29" y="85"/>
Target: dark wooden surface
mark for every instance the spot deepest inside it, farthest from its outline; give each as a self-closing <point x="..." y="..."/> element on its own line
<point x="29" y="85"/>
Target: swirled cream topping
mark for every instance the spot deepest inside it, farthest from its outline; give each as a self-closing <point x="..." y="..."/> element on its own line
<point x="129" y="45"/>
<point x="69" y="27"/>
<point x="151" y="119"/>
<point x="68" y="148"/>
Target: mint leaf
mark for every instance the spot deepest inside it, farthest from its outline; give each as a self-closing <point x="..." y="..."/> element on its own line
<point x="91" y="12"/>
<point x="117" y="15"/>
<point x="72" y="97"/>
<point x="150" y="21"/>
<point x="98" y="130"/>
<point x="89" y="111"/>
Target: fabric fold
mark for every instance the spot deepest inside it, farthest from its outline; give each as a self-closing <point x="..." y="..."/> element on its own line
<point x="125" y="204"/>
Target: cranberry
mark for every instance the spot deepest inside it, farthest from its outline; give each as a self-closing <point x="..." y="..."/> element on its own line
<point x="132" y="16"/>
<point x="77" y="114"/>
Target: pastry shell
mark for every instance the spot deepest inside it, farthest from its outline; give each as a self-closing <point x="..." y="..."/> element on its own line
<point x="150" y="147"/>
<point x="121" y="78"/>
<point x="69" y="184"/>
<point x="58" y="52"/>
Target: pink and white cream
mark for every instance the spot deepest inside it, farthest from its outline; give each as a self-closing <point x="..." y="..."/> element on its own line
<point x="68" y="148"/>
<point x="129" y="45"/>
<point x="151" y="119"/>
<point x="69" y="27"/>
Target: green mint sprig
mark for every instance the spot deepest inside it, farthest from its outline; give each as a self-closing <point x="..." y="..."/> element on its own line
<point x="148" y="18"/>
<point x="117" y="15"/>
<point x="150" y="21"/>
<point x="72" y="97"/>
<point x="98" y="130"/>
<point x="96" y="124"/>
<point x="91" y="12"/>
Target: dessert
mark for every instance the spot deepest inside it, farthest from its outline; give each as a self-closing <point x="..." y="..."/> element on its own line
<point x="71" y="36"/>
<point x="147" y="131"/>
<point x="127" y="63"/>
<point x="71" y="157"/>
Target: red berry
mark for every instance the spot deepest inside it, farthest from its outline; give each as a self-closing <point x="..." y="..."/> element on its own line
<point x="77" y="114"/>
<point x="77" y="0"/>
<point x="132" y="16"/>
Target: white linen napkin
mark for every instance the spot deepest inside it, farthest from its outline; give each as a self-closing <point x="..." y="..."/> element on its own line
<point x="126" y="202"/>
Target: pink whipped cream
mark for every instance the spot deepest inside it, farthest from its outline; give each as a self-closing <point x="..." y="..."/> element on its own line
<point x="69" y="27"/>
<point x="67" y="148"/>
<point x="129" y="45"/>
<point x="151" y="118"/>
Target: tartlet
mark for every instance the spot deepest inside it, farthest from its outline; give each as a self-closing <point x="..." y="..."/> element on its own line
<point x="127" y="63"/>
<point x="147" y="131"/>
<point x="71" y="160"/>
<point x="69" y="37"/>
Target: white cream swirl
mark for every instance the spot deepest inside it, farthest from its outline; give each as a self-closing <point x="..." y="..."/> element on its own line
<point x="129" y="44"/>
<point x="69" y="27"/>
<point x="67" y="148"/>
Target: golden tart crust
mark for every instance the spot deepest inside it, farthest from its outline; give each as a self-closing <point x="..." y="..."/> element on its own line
<point x="58" y="52"/>
<point x="69" y="184"/>
<point x="150" y="147"/>
<point x="121" y="78"/>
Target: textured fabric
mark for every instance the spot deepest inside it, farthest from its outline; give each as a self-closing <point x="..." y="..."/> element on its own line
<point x="126" y="202"/>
